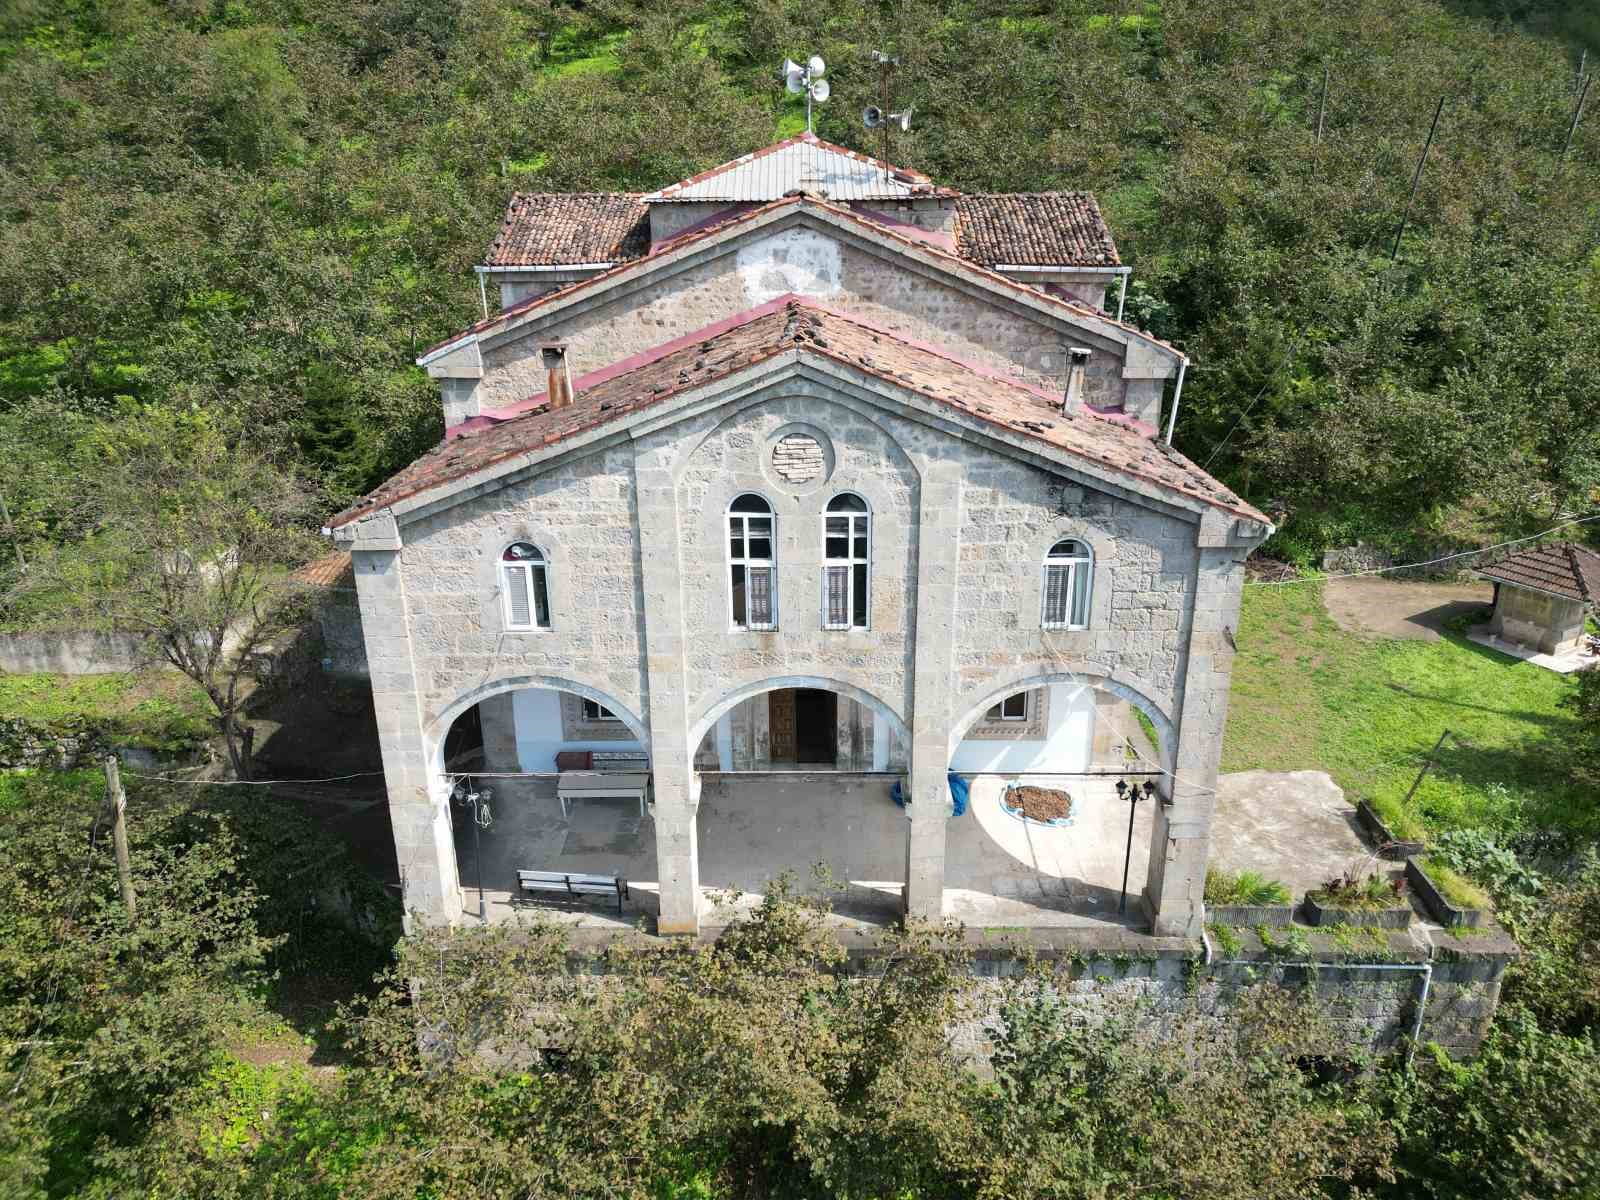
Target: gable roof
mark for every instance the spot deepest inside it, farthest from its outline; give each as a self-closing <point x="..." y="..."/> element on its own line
<point x="561" y="229"/>
<point x="1045" y="229"/>
<point x="1563" y="569"/>
<point x="1068" y="308"/>
<point x="794" y="324"/>
<point x="801" y="163"/>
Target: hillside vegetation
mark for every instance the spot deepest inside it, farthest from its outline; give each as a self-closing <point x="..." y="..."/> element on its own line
<point x="264" y="210"/>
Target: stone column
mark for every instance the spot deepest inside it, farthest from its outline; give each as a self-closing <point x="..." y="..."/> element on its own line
<point x="928" y="799"/>
<point x="676" y="790"/>
<point x="419" y="801"/>
<point x="1181" y="832"/>
<point x="497" y="717"/>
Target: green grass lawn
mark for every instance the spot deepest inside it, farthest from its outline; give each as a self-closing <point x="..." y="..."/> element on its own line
<point x="1308" y="695"/>
<point x="153" y="708"/>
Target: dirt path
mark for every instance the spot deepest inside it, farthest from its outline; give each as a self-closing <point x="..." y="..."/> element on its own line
<point x="1378" y="607"/>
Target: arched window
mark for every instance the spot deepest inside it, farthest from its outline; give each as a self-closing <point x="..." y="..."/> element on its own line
<point x="752" y="564"/>
<point x="846" y="562"/>
<point x="527" y="590"/>
<point x="1068" y="575"/>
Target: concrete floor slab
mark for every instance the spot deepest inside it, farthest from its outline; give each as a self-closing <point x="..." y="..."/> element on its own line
<point x="1566" y="663"/>
<point x="1292" y="826"/>
<point x="999" y="872"/>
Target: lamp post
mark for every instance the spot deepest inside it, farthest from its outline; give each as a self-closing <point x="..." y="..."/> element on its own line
<point x="476" y="801"/>
<point x="1132" y="793"/>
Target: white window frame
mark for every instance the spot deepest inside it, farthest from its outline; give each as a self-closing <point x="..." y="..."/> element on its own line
<point x="740" y="521"/>
<point x="849" y="562"/>
<point x="997" y="710"/>
<point x="601" y="712"/>
<point x="1072" y="564"/>
<point x="532" y="576"/>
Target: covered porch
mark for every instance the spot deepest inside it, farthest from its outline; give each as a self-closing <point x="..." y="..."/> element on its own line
<point x="753" y="828"/>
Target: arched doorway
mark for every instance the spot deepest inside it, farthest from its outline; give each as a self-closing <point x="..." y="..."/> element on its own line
<point x="1061" y="731"/>
<point x="502" y="749"/>
<point x="792" y="800"/>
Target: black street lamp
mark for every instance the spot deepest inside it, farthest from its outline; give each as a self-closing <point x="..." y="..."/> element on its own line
<point x="1132" y="793"/>
<point x="476" y="801"/>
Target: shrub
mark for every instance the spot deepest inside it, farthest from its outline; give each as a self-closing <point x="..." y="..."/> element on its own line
<point x="1358" y="891"/>
<point x="1243" y="888"/>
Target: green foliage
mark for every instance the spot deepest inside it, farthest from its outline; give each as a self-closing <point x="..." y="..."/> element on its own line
<point x="1454" y="886"/>
<point x="152" y="709"/>
<point x="1521" y="1120"/>
<point x="1245" y="888"/>
<point x="1558" y="977"/>
<point x="1477" y="854"/>
<point x="1307" y="692"/>
<point x="1362" y="892"/>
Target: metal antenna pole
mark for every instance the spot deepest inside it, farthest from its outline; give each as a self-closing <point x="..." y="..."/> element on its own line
<point x="1577" y="115"/>
<point x="885" y="65"/>
<point x="1416" y="179"/>
<point x="1322" y="105"/>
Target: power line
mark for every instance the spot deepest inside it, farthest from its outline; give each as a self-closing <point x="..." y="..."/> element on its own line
<point x="249" y="782"/>
<point x="1533" y="537"/>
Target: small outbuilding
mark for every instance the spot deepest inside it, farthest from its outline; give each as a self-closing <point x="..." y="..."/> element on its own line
<point x="1542" y="595"/>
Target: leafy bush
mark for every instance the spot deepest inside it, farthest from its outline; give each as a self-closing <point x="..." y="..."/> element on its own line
<point x="1360" y="891"/>
<point x="1477" y="854"/>
<point x="1243" y="888"/>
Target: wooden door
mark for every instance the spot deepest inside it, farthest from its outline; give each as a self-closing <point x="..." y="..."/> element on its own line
<point x="780" y="718"/>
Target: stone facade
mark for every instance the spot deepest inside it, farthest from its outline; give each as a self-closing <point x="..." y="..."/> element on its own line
<point x="632" y="522"/>
<point x="1552" y="623"/>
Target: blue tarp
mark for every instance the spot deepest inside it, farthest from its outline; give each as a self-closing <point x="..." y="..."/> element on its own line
<point x="958" y="794"/>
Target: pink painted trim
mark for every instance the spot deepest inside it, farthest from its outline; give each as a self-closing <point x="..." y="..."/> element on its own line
<point x="493" y="416"/>
<point x="945" y="241"/>
<point x="490" y="417"/>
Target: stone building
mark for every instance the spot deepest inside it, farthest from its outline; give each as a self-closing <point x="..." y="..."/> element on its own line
<point x="1543" y="594"/>
<point x="805" y="461"/>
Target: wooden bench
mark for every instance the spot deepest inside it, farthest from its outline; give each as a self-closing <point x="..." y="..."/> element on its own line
<point x="596" y="785"/>
<point x="574" y="886"/>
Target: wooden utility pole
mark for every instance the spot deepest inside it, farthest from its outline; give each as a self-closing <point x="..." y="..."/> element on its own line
<point x="119" y="837"/>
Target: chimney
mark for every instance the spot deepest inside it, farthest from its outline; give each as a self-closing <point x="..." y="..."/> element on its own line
<point x="558" y="372"/>
<point x="1073" y="400"/>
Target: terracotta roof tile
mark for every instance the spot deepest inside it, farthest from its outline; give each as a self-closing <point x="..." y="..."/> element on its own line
<point x="1043" y="229"/>
<point x="330" y="571"/>
<point x="553" y="229"/>
<point x="1560" y="568"/>
<point x="799" y="324"/>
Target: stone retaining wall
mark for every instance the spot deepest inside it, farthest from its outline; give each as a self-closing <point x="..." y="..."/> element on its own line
<point x="71" y="653"/>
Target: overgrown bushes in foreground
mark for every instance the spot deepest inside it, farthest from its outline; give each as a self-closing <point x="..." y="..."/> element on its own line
<point x="752" y="1067"/>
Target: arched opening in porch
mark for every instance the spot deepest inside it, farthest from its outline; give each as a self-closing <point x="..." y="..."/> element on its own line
<point x="811" y="803"/>
<point x="1061" y="732"/>
<point x="559" y="770"/>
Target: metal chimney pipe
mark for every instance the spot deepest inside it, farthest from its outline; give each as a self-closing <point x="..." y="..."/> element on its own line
<point x="1072" y="401"/>
<point x="558" y="374"/>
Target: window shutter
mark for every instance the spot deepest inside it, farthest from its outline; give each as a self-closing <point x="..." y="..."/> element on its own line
<point x="838" y="580"/>
<point x="1080" y="594"/>
<point x="517" y="596"/>
<point x="1055" y="594"/>
<point x="541" y="597"/>
<point x="760" y="584"/>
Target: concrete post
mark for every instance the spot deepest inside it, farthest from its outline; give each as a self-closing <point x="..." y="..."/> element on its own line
<point x="928" y="800"/>
<point x="419" y="801"/>
<point x="1181" y="832"/>
<point x="676" y="786"/>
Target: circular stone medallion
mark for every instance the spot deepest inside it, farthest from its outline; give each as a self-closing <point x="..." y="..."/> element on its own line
<point x="798" y="459"/>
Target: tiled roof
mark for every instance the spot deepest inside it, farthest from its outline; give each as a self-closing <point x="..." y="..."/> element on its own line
<point x="1045" y="229"/>
<point x="1560" y="568"/>
<point x="802" y="163"/>
<point x="794" y="323"/>
<point x="554" y="229"/>
<point x="330" y="571"/>
<point x="711" y="228"/>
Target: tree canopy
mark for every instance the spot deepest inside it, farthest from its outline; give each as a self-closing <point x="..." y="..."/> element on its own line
<point x="264" y="211"/>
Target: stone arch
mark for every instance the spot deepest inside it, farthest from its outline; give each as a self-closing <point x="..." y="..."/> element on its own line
<point x="727" y="700"/>
<point x="435" y="731"/>
<point x="1165" y="731"/>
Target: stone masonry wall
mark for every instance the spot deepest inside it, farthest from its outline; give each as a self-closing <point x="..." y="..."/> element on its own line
<point x="582" y="517"/>
<point x="1144" y="564"/>
<point x="807" y="261"/>
<point x="859" y="456"/>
